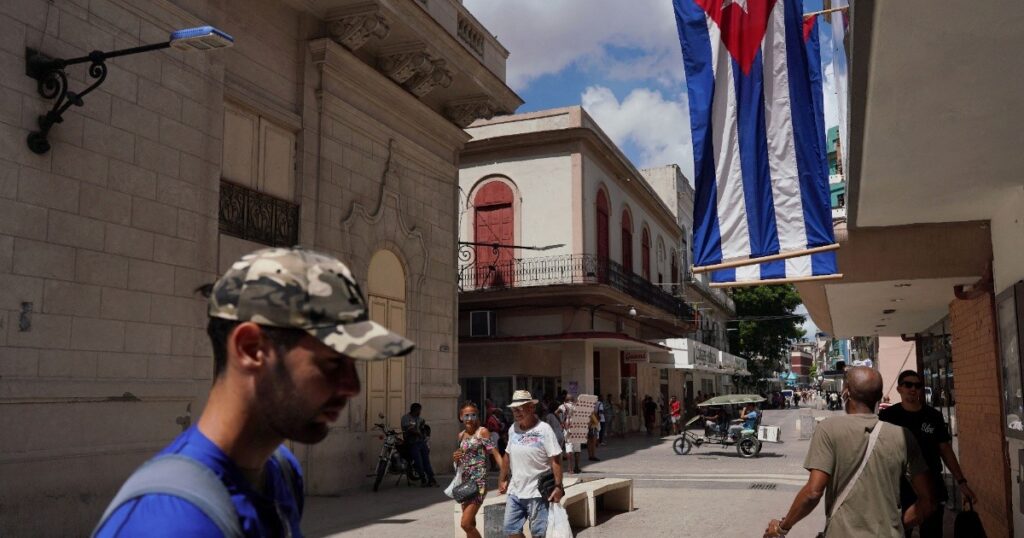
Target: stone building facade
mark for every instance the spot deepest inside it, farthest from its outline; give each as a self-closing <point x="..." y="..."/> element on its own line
<point x="335" y="124"/>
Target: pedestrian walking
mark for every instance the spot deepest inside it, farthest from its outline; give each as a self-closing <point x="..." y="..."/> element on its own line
<point x="932" y="435"/>
<point x="649" y="409"/>
<point x="796" y="400"/>
<point x="572" y="449"/>
<point x="286" y="327"/>
<point x="593" y="433"/>
<point x="676" y="408"/>
<point x="602" y="419"/>
<point x="622" y="414"/>
<point x="416" y="432"/>
<point x="532" y="465"/>
<point x="475" y="447"/>
<point x="855" y="462"/>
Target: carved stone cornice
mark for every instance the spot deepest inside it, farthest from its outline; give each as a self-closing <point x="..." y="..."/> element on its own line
<point x="353" y="27"/>
<point x="425" y="81"/>
<point x="465" y="111"/>
<point x="404" y="62"/>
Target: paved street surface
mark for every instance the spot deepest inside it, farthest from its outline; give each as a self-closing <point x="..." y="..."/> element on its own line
<point x="710" y="492"/>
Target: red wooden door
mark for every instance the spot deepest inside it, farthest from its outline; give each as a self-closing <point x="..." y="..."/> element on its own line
<point x="602" y="236"/>
<point x="494" y="224"/>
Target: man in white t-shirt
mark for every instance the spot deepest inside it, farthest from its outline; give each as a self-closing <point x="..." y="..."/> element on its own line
<point x="532" y="450"/>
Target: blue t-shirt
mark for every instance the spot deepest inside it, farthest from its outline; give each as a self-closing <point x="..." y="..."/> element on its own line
<point x="751" y="420"/>
<point x="167" y="515"/>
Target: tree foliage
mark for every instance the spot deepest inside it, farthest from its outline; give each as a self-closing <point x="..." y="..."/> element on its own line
<point x="765" y="342"/>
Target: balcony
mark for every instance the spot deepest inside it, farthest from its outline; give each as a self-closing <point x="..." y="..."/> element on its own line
<point x="563" y="270"/>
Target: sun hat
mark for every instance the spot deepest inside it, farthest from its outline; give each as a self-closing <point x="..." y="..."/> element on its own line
<point x="521" y="397"/>
<point x="303" y="289"/>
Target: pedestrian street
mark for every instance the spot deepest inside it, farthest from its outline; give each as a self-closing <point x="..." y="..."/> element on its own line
<point x="709" y="492"/>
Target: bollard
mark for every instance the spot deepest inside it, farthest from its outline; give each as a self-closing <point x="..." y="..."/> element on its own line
<point x="805" y="426"/>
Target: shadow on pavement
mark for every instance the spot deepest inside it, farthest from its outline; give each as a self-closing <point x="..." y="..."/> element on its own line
<point x="360" y="508"/>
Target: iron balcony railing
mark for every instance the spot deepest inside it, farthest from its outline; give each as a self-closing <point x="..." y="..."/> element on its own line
<point x="567" y="269"/>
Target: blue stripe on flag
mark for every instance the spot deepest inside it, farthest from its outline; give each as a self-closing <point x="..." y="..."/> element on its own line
<point x="813" y="46"/>
<point x="811" y="159"/>
<point x="821" y="264"/>
<point x="757" y="180"/>
<point x="696" y="44"/>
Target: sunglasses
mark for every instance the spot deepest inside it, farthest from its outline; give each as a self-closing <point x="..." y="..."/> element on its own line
<point x="469" y="416"/>
<point x="911" y="385"/>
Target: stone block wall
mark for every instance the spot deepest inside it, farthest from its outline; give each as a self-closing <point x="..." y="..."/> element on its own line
<point x="976" y="368"/>
<point x="103" y="352"/>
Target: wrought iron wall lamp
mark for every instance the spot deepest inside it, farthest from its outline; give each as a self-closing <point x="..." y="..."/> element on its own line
<point x="52" y="82"/>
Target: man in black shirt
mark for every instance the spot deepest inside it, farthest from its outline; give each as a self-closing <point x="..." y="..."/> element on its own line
<point x="929" y="428"/>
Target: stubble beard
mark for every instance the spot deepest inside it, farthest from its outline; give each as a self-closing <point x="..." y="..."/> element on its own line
<point x="284" y="411"/>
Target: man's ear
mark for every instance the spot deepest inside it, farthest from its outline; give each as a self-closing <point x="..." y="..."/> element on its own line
<point x="247" y="347"/>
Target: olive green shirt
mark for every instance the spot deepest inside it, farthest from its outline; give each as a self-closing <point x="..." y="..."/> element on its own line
<point x="872" y="507"/>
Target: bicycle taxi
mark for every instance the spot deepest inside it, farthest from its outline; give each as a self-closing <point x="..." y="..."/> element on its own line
<point x="726" y="430"/>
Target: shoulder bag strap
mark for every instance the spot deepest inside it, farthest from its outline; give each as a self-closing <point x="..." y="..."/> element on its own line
<point x="863" y="463"/>
<point x="187" y="479"/>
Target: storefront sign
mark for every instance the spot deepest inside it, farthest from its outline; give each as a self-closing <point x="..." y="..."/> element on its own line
<point x="705" y="355"/>
<point x="633" y="357"/>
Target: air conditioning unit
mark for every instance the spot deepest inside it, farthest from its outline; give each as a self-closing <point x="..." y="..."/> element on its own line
<point x="481" y="323"/>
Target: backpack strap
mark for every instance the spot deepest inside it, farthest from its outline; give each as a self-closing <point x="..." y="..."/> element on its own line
<point x="183" y="477"/>
<point x="288" y="471"/>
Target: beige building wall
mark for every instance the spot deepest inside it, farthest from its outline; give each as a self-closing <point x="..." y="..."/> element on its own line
<point x="894" y="356"/>
<point x="103" y="351"/>
<point x="543" y="187"/>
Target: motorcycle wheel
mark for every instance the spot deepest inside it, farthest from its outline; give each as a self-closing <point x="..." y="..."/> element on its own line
<point x="682" y="445"/>
<point x="382" y="469"/>
<point x="748" y="447"/>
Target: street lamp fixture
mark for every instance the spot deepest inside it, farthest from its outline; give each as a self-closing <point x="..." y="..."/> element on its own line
<point x="52" y="81"/>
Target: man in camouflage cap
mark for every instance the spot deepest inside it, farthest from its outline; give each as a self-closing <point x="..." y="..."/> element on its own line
<point x="286" y="327"/>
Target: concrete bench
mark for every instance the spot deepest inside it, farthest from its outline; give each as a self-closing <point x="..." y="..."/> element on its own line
<point x="616" y="494"/>
<point x="491" y="516"/>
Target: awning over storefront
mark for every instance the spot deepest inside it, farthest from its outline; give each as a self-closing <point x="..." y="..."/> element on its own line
<point x="657" y="355"/>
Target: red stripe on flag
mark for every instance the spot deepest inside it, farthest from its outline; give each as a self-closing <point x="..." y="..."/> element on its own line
<point x="809" y="26"/>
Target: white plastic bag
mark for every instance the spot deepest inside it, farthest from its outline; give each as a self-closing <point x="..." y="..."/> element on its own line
<point x="558" y="522"/>
<point x="450" y="490"/>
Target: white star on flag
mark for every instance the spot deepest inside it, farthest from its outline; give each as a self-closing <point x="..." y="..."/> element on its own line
<point x="741" y="3"/>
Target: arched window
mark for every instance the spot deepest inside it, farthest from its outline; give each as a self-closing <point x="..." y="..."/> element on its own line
<point x="602" y="225"/>
<point x="659" y="265"/>
<point x="494" y="223"/>
<point x="645" y="254"/>
<point x="627" y="241"/>
<point x="675" y="271"/>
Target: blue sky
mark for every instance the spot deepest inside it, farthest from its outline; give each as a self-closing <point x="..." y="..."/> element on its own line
<point x="620" y="59"/>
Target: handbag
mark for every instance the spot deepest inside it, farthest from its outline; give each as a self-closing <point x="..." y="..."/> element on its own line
<point x="849" y="485"/>
<point x="450" y="490"/>
<point x="968" y="524"/>
<point x="546" y="484"/>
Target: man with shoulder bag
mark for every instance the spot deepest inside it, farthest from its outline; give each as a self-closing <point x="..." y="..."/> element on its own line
<point x="855" y="462"/>
<point x="534" y="457"/>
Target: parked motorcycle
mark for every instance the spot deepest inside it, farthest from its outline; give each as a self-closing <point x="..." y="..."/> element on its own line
<point x="395" y="458"/>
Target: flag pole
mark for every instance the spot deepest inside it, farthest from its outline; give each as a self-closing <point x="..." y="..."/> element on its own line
<point x="795" y="280"/>
<point x="773" y="257"/>
<point x="825" y="11"/>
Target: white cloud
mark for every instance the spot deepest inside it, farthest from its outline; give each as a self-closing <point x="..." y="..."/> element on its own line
<point x="545" y="37"/>
<point x="658" y="127"/>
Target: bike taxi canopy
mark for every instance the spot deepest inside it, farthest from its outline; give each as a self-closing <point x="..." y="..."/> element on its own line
<point x="732" y="399"/>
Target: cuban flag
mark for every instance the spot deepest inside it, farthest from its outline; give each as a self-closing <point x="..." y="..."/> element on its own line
<point x="760" y="167"/>
<point x="821" y="265"/>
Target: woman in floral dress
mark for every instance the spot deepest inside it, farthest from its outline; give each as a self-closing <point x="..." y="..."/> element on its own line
<point x="475" y="445"/>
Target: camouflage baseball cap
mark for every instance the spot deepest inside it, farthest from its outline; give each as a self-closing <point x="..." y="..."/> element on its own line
<point x="303" y="289"/>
